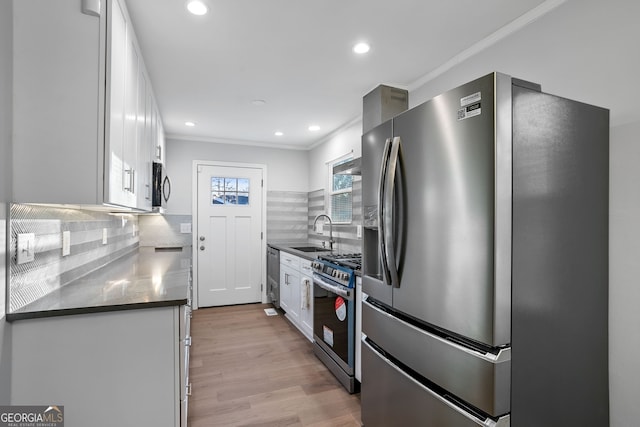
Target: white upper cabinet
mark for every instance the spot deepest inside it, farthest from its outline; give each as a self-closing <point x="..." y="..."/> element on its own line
<point x="85" y="119"/>
<point x="159" y="140"/>
<point x="145" y="171"/>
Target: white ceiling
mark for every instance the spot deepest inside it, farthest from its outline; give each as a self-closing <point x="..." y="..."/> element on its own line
<point x="296" y="55"/>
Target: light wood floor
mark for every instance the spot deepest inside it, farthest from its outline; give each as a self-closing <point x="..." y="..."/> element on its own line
<point x="250" y="369"/>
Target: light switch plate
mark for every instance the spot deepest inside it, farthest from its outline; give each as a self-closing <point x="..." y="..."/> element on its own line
<point x="104" y="236"/>
<point x="25" y="248"/>
<point x="66" y="243"/>
<point x="319" y="228"/>
<point x="359" y="231"/>
<point x="185" y="227"/>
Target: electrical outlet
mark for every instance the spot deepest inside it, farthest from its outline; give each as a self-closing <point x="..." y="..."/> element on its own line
<point x="359" y="231"/>
<point x="104" y="236"/>
<point x="25" y="248"/>
<point x="66" y="243"/>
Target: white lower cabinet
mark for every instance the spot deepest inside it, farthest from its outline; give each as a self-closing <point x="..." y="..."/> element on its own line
<point x="184" y="348"/>
<point x="306" y="298"/>
<point x="358" y="373"/>
<point x="289" y="292"/>
<point x="117" y="368"/>
<point x="296" y="292"/>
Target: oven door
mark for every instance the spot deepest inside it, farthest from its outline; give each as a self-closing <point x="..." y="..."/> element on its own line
<point x="334" y="321"/>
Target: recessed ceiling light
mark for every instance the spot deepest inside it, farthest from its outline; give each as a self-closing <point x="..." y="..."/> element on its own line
<point x="190" y="124"/>
<point x="314" y="128"/>
<point x="278" y="133"/>
<point x="197" y="7"/>
<point x="361" y="48"/>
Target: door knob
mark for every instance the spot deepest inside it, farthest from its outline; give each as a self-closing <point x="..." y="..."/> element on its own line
<point x="202" y="248"/>
<point x="202" y="238"/>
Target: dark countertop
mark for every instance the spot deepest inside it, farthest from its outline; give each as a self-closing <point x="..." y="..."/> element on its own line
<point x="144" y="277"/>
<point x="289" y="247"/>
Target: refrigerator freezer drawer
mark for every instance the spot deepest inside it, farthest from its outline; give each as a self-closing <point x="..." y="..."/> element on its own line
<point x="481" y="379"/>
<point x="390" y="397"/>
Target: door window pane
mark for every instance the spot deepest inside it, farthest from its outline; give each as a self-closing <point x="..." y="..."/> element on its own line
<point x="229" y="191"/>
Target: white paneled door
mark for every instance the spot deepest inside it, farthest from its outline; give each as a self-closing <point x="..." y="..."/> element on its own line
<point x="229" y="235"/>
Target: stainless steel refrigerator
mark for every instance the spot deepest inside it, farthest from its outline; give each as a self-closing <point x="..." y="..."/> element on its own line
<point x="485" y="261"/>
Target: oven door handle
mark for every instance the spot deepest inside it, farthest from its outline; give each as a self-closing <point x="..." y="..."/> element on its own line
<point x="332" y="288"/>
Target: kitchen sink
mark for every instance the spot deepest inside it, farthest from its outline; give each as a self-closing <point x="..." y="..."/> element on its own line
<point x="309" y="249"/>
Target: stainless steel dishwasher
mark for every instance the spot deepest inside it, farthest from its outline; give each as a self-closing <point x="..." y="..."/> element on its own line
<point x="273" y="276"/>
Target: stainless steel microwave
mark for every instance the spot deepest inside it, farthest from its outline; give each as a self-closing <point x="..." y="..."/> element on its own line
<point x="161" y="187"/>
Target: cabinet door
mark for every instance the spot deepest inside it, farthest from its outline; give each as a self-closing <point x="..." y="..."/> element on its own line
<point x="130" y="145"/>
<point x="294" y="307"/>
<point x="306" y="305"/>
<point x="116" y="103"/>
<point x="290" y="291"/>
<point x="285" y="288"/>
<point x="159" y="141"/>
<point x="130" y="354"/>
<point x="306" y="298"/>
<point x="123" y="110"/>
<point x="143" y="180"/>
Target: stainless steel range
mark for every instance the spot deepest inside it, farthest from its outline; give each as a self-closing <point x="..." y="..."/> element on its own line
<point x="334" y="314"/>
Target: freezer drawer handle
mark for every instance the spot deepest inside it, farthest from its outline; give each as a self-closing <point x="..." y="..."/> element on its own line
<point x="484" y="421"/>
<point x="502" y="355"/>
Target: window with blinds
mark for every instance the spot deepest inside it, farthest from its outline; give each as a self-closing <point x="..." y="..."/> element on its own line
<point x="340" y="195"/>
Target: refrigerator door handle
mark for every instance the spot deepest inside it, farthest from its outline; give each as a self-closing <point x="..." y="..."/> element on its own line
<point x="389" y="194"/>
<point x="386" y="278"/>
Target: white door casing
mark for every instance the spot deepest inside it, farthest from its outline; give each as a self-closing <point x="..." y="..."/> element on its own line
<point x="229" y="241"/>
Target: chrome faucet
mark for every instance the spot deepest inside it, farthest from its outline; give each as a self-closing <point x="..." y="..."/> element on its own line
<point x="331" y="242"/>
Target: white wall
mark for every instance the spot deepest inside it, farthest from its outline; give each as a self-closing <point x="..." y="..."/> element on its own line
<point x="343" y="142"/>
<point x="6" y="63"/>
<point x="6" y="111"/>
<point x="624" y="271"/>
<point x="581" y="50"/>
<point x="287" y="170"/>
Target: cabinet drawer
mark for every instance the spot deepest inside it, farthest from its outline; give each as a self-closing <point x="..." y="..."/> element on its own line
<point x="486" y="376"/>
<point x="305" y="267"/>
<point x="290" y="260"/>
<point x="391" y="397"/>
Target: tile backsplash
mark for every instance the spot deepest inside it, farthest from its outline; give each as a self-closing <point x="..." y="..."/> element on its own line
<point x="165" y="230"/>
<point x="287" y="216"/>
<point x="345" y="235"/>
<point x="49" y="269"/>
